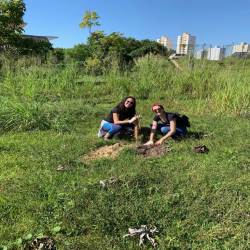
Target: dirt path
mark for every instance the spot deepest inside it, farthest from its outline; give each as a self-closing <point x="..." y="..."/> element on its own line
<point x="176" y="64"/>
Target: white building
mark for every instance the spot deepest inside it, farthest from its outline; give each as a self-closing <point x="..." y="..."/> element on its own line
<point x="186" y="44"/>
<point x="200" y="54"/>
<point x="216" y="53"/>
<point x="166" y="42"/>
<point x="243" y="47"/>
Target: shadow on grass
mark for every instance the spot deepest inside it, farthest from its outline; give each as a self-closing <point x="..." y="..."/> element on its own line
<point x="145" y="133"/>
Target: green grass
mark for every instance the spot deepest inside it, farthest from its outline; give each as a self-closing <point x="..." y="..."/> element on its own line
<point x="197" y="201"/>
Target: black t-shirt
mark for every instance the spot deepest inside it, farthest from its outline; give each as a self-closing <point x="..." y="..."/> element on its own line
<point x="122" y="115"/>
<point x="170" y="117"/>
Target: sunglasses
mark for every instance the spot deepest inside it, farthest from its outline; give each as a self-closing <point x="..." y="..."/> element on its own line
<point x="130" y="102"/>
<point x="155" y="110"/>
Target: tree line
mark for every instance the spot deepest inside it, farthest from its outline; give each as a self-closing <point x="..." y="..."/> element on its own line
<point x="99" y="49"/>
<point x="11" y="38"/>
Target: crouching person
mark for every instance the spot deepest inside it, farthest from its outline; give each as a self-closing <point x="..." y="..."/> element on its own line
<point x="171" y="125"/>
<point x="117" y="119"/>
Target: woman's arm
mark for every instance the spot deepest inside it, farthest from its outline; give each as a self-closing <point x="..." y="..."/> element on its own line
<point x="169" y="134"/>
<point x="152" y="134"/>
<point x="117" y="121"/>
<point x="153" y="131"/>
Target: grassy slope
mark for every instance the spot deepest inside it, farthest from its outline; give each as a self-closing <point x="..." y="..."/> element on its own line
<point x="197" y="201"/>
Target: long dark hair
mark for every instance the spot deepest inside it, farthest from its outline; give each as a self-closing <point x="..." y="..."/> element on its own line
<point x="122" y="109"/>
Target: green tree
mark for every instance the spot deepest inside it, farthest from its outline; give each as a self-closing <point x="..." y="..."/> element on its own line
<point x="89" y="20"/>
<point x="27" y="46"/>
<point x="11" y="18"/>
<point x="79" y="53"/>
<point x="96" y="37"/>
<point x="146" y="46"/>
<point x="115" y="47"/>
<point x="58" y="54"/>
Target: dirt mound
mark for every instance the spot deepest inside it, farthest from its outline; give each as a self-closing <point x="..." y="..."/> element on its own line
<point x="112" y="151"/>
<point x="148" y="151"/>
<point x="106" y="151"/>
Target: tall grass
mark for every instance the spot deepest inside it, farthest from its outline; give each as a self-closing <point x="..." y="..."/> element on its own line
<point x="28" y="91"/>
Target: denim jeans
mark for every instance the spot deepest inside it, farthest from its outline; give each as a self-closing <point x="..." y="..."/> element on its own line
<point x="112" y="128"/>
<point x="164" y="129"/>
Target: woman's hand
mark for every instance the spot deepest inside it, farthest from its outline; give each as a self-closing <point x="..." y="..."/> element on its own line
<point x="149" y="143"/>
<point x="132" y="120"/>
<point x="159" y="142"/>
<point x="138" y="116"/>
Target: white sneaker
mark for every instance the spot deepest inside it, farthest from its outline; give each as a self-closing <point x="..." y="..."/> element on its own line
<point x="101" y="133"/>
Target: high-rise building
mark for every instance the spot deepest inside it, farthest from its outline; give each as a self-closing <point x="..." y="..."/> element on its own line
<point x="243" y="47"/>
<point x="216" y="53"/>
<point x="186" y="44"/>
<point x="165" y="41"/>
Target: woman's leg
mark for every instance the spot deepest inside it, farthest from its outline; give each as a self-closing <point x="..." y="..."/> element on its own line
<point x="111" y="128"/>
<point x="165" y="129"/>
<point x="128" y="127"/>
<point x="179" y="132"/>
<point x="161" y="127"/>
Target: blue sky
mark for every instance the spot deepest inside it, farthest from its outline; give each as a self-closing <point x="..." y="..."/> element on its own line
<point x="212" y="22"/>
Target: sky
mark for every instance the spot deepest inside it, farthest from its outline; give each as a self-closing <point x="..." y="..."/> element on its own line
<point x="213" y="22"/>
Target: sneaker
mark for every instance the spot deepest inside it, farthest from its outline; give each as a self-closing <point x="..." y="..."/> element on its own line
<point x="107" y="138"/>
<point x="101" y="133"/>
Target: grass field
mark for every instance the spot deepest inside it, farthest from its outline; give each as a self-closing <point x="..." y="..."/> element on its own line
<point x="50" y="117"/>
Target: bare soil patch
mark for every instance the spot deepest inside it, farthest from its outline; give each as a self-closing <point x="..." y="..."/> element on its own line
<point x="149" y="151"/>
<point x="111" y="151"/>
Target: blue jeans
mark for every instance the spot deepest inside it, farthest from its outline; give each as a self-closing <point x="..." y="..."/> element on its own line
<point x="163" y="128"/>
<point x="112" y="128"/>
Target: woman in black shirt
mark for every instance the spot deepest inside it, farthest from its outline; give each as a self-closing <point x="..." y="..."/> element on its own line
<point x="116" y="120"/>
<point x="171" y="125"/>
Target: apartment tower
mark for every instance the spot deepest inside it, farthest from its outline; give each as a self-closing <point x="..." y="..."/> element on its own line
<point x="186" y="44"/>
<point x="166" y="42"/>
<point x="243" y="47"/>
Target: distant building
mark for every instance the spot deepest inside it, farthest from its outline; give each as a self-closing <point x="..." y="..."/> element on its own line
<point x="166" y="42"/>
<point x="200" y="54"/>
<point x="35" y="38"/>
<point x="216" y="53"/>
<point x="186" y="44"/>
<point x="38" y="38"/>
<point x="243" y="47"/>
